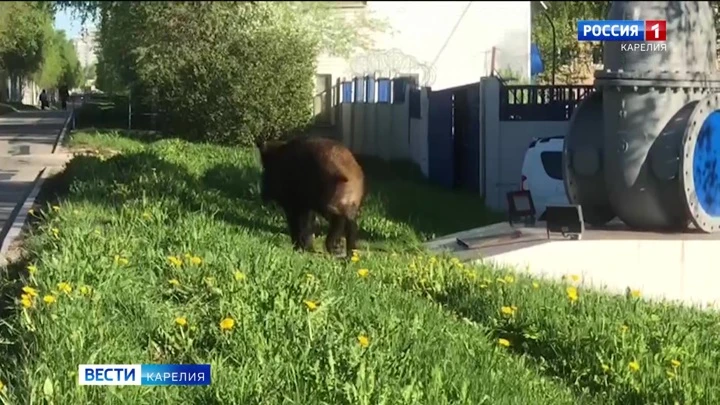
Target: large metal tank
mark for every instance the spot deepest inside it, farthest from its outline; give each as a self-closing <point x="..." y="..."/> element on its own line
<point x="645" y="147"/>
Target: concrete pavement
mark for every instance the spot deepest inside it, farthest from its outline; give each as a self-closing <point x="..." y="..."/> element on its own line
<point x="29" y="152"/>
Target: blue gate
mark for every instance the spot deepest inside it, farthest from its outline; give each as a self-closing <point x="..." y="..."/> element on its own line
<point x="440" y="138"/>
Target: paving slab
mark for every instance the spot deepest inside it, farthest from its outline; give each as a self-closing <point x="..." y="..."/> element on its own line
<point x="29" y="151"/>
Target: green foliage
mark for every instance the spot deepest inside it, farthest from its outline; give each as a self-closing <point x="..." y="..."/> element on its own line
<point x="573" y="58"/>
<point x="226" y="72"/>
<point x="51" y="69"/>
<point x="60" y="64"/>
<point x="25" y="31"/>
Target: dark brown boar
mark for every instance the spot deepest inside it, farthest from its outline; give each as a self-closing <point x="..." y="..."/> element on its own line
<point x="308" y="175"/>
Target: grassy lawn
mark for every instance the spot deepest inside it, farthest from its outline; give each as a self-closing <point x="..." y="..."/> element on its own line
<point x="150" y="249"/>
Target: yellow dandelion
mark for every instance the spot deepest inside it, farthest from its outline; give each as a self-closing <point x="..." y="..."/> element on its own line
<point x="605" y="368"/>
<point x="239" y="276"/>
<point x="174" y="282"/>
<point x="85" y="290"/>
<point x="675" y="363"/>
<point x="26" y="301"/>
<point x="362" y="273"/>
<point x="535" y="285"/>
<point x="49" y="299"/>
<point x="635" y="293"/>
<point x="509" y="279"/>
<point x="227" y="324"/>
<point x="575" y="278"/>
<point x="634" y="366"/>
<point x="355" y="259"/>
<point x="363" y="341"/>
<point x="504" y="342"/>
<point x="572" y="293"/>
<point x="195" y="260"/>
<point x="670" y="374"/>
<point x="146" y="215"/>
<point x="119" y="260"/>
<point x="624" y="328"/>
<point x="175" y="261"/>
<point x="311" y="305"/>
<point x="30" y="291"/>
<point x="181" y="321"/>
<point x="55" y="231"/>
<point x="64" y="287"/>
<point x="509" y="311"/>
<point x="32" y="269"/>
<point x="31" y="211"/>
<point x="56" y="208"/>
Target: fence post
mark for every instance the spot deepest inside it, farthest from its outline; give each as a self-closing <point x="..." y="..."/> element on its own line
<point x="129" y="109"/>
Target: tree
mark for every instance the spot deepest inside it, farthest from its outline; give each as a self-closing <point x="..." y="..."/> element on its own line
<point x="72" y="74"/>
<point x="25" y="31"/>
<point x="573" y="59"/>
<point x="23" y="35"/>
<point x="60" y="64"/>
<point x="221" y="71"/>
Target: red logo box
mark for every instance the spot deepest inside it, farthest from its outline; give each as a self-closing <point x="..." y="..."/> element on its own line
<point x="655" y="30"/>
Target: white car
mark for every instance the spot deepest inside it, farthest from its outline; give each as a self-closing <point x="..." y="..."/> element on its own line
<point x="542" y="173"/>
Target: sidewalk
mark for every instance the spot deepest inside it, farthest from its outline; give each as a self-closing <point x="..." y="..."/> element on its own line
<point x="27" y="142"/>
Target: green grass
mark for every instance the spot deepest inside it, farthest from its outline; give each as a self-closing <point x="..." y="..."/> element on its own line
<point x="434" y="324"/>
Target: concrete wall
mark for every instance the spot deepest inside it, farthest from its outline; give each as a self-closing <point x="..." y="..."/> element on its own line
<point x="505" y="144"/>
<point x="25" y="91"/>
<point x="385" y="130"/>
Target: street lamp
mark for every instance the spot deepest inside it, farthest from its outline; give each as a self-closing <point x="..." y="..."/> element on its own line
<point x="554" y="47"/>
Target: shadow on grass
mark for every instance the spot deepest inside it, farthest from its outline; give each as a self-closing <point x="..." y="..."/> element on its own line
<point x="145" y="176"/>
<point x="397" y="191"/>
<point x="242" y="183"/>
<point x="431" y="210"/>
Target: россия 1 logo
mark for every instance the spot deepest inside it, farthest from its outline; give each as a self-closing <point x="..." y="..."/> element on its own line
<point x="641" y="31"/>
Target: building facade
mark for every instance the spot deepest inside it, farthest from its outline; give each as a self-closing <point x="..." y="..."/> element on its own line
<point x="440" y="44"/>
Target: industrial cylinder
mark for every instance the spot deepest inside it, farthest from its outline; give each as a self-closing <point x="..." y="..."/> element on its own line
<point x="650" y="94"/>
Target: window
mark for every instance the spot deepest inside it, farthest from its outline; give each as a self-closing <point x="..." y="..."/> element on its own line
<point x="552" y="163"/>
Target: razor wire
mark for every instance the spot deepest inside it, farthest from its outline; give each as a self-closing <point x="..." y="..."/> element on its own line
<point x="391" y="63"/>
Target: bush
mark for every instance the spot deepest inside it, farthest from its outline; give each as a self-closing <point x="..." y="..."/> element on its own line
<point x="228" y="73"/>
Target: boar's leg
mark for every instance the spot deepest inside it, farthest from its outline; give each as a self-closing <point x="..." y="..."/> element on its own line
<point x="293" y="221"/>
<point x="337" y="225"/>
<point x="306" y="236"/>
<point x="351" y="233"/>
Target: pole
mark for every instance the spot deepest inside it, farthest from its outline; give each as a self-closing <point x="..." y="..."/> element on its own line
<point x="554" y="47"/>
<point x="129" y="110"/>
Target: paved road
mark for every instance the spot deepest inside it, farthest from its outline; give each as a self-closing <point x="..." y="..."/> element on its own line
<point x="27" y="140"/>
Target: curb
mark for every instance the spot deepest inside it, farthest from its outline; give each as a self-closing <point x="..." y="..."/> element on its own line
<point x="63" y="131"/>
<point x="17" y="218"/>
<point x="16" y="221"/>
